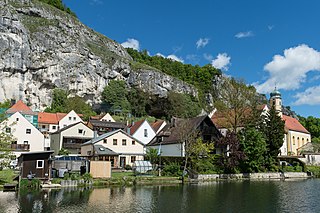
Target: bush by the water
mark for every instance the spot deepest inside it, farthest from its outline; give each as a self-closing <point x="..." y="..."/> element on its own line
<point x="172" y="169"/>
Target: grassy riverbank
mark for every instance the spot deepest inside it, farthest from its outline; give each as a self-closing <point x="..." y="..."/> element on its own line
<point x="7" y="176"/>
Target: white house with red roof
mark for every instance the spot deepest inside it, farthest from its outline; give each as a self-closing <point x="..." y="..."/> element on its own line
<point x="142" y="131"/>
<point x="27" y="138"/>
<point x="25" y="111"/>
<point x="52" y="122"/>
<point x="158" y="125"/>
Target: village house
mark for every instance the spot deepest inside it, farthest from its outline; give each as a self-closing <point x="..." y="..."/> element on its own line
<point x="170" y="141"/>
<point x="102" y="127"/>
<point x="142" y="131"/>
<point x="71" y="137"/>
<point x="117" y="146"/>
<point x="103" y="117"/>
<point x="24" y="110"/>
<point x="52" y="122"/>
<point x="27" y="138"/>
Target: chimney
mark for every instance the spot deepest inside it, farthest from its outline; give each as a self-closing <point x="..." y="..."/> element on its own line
<point x="173" y="122"/>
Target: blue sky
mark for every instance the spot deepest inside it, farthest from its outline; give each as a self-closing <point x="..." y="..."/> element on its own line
<point x="266" y="43"/>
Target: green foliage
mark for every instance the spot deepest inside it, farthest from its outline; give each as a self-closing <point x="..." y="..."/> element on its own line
<point x="152" y="155"/>
<point x="115" y="96"/>
<point x="61" y="103"/>
<point x="6" y="176"/>
<point x="59" y="4"/>
<point x="138" y="100"/>
<point x="315" y="170"/>
<point x="63" y="151"/>
<point x="34" y="183"/>
<point x="254" y="147"/>
<point x="200" y="77"/>
<point x="172" y="169"/>
<point x="273" y="129"/>
<point x="312" y="124"/>
<point x="6" y="139"/>
<point x="128" y="167"/>
<point x="79" y="106"/>
<point x="182" y="105"/>
<point x="87" y="177"/>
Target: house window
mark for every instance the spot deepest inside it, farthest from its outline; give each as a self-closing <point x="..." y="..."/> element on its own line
<point x="28" y="131"/>
<point x="74" y="118"/>
<point x="307" y="139"/>
<point x="8" y="130"/>
<point x="133" y="159"/>
<point x="69" y="118"/>
<point x="54" y="127"/>
<point x="25" y="142"/>
<point x="43" y="126"/>
<point x="124" y="142"/>
<point x="17" y="119"/>
<point x="145" y="133"/>
<point x="105" y="141"/>
<point x="115" y="142"/>
<point x="133" y="142"/>
<point x="293" y="141"/>
<point x="40" y="164"/>
<point x="80" y="131"/>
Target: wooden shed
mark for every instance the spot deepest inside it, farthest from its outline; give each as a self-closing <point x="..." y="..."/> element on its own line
<point x="36" y="163"/>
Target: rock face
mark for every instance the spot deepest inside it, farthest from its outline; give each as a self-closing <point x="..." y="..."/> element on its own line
<point x="42" y="48"/>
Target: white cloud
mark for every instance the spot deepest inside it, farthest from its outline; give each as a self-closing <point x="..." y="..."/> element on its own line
<point x="202" y="42"/>
<point x="175" y="58"/>
<point x="172" y="57"/>
<point x="222" y="61"/>
<point x="244" y="34"/>
<point x="310" y="96"/>
<point x="289" y="71"/>
<point x="131" y="43"/>
<point x="208" y="57"/>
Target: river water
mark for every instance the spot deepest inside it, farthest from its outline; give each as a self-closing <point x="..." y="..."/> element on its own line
<point x="223" y="196"/>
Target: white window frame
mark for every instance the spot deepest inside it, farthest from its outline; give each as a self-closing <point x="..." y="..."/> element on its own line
<point x="37" y="165"/>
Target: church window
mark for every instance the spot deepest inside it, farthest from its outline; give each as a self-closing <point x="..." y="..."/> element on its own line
<point x="293" y="141"/>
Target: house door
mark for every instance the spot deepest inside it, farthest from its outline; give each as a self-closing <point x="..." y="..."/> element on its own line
<point x="122" y="162"/>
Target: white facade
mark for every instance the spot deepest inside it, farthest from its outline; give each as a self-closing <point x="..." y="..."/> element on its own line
<point x="71" y="118"/>
<point x="128" y="148"/>
<point x="107" y="117"/>
<point x="24" y="133"/>
<point x="170" y="150"/>
<point x="77" y="131"/>
<point x="144" y="133"/>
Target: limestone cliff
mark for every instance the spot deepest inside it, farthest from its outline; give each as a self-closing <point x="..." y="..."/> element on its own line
<point x="42" y="48"/>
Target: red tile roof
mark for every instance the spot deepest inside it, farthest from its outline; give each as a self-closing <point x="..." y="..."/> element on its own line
<point x="20" y="107"/>
<point x="156" y="125"/>
<point x="48" y="118"/>
<point x="293" y="124"/>
<point x="134" y="127"/>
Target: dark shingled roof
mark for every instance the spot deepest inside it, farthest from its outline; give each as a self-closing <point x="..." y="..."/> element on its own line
<point x="107" y="124"/>
<point x="172" y="132"/>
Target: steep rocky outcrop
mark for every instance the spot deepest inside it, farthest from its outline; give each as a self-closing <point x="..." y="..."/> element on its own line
<point x="42" y="48"/>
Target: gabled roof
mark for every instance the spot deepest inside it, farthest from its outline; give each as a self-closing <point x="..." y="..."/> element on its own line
<point x="98" y="123"/>
<point x="48" y="118"/>
<point x="157" y="124"/>
<point x="173" y="131"/>
<point x="293" y="124"/>
<point x="135" y="126"/>
<point x="20" y="107"/>
<point x="108" y="134"/>
<point x="69" y="126"/>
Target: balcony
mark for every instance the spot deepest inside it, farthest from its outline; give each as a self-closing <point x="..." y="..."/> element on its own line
<point x="20" y="147"/>
<point x="71" y="145"/>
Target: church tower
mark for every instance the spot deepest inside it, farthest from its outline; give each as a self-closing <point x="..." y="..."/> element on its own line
<point x="275" y="100"/>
